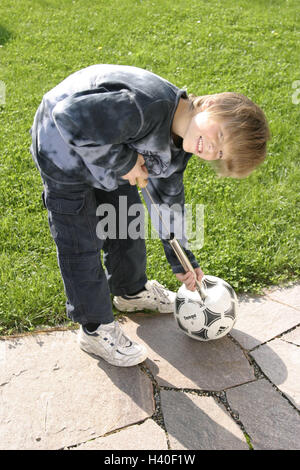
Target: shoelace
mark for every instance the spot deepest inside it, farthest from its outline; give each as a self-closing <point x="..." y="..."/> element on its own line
<point x="120" y="338"/>
<point x="160" y="291"/>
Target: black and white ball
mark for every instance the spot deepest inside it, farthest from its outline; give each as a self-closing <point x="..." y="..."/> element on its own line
<point x="210" y="319"/>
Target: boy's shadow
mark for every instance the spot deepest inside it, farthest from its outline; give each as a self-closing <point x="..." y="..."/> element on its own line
<point x="172" y="354"/>
<point x="5" y="35"/>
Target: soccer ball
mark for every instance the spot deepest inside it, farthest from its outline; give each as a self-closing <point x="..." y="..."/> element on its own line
<point x="210" y="319"/>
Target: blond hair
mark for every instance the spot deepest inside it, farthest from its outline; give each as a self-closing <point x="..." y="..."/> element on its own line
<point x="246" y="128"/>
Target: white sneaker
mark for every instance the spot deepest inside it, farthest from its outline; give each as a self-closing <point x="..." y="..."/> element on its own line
<point x="154" y="297"/>
<point x="110" y="343"/>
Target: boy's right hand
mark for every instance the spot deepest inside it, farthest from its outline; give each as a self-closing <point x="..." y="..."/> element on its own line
<point x="189" y="278"/>
<point x="138" y="174"/>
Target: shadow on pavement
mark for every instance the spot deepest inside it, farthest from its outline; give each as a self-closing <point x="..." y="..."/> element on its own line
<point x="188" y="424"/>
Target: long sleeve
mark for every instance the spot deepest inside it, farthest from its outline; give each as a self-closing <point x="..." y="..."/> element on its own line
<point x="98" y="124"/>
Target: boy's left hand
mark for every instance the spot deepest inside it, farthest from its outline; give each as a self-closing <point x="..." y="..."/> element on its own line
<point x="189" y="278"/>
<point x="138" y="174"/>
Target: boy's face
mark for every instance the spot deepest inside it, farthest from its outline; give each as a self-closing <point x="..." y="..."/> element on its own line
<point x="204" y="137"/>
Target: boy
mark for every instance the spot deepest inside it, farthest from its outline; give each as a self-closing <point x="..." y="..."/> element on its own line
<point x="95" y="136"/>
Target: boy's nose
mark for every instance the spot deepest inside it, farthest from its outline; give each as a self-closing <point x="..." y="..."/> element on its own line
<point x="211" y="147"/>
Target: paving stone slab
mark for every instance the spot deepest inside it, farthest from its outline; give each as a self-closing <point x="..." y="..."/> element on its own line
<point x="54" y="395"/>
<point x="176" y="360"/>
<point x="287" y="295"/>
<point x="269" y="419"/>
<point x="199" y="423"/>
<point x="145" y="436"/>
<point x="260" y="319"/>
<point x="280" y="361"/>
<point x="293" y="336"/>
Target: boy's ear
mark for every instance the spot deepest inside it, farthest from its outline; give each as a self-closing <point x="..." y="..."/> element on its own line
<point x="207" y="103"/>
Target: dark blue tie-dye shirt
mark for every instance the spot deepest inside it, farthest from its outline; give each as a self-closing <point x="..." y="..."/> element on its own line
<point x="91" y="127"/>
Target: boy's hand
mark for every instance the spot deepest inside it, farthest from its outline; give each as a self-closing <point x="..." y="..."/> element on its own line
<point x="189" y="278"/>
<point x="138" y="174"/>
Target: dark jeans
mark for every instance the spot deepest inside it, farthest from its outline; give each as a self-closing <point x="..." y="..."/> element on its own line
<point x="73" y="223"/>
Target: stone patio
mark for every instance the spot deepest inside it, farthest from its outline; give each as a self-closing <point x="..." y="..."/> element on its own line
<point x="239" y="392"/>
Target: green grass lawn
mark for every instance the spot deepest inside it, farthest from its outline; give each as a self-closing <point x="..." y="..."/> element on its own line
<point x="251" y="226"/>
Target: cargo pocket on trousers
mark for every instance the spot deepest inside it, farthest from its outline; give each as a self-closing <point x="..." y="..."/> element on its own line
<point x="67" y="222"/>
<point x="62" y="205"/>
